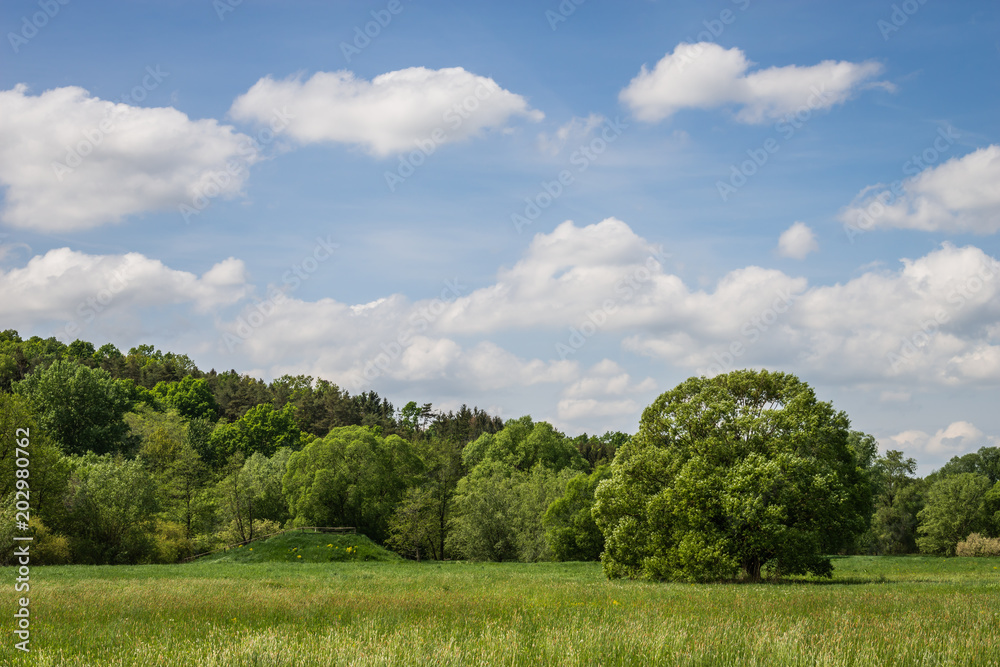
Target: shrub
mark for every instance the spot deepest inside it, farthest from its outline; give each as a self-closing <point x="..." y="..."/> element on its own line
<point x="170" y="542"/>
<point x="49" y="548"/>
<point x="977" y="545"/>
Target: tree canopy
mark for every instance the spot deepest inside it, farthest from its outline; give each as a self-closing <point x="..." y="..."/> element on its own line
<point x="731" y="474"/>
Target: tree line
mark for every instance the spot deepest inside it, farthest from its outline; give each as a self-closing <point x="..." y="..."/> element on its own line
<point x="142" y="457"/>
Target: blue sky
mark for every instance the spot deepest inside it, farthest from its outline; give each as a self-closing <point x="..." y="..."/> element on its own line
<point x="715" y="160"/>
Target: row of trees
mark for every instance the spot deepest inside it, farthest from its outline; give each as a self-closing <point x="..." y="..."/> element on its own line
<point x="145" y="458"/>
<point x="308" y="453"/>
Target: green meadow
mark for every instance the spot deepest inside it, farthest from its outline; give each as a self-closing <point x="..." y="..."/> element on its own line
<point x="308" y="599"/>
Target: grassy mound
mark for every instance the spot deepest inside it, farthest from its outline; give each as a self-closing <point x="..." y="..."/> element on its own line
<point x="300" y="547"/>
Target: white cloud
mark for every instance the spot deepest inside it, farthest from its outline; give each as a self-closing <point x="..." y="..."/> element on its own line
<point x="797" y="241"/>
<point x="390" y="113"/>
<point x="69" y="290"/>
<point x="73" y="161"/>
<point x="706" y="76"/>
<point x="960" y="195"/>
<point x="606" y="390"/>
<point x="388" y="341"/>
<point x="956" y="439"/>
<point x="931" y="321"/>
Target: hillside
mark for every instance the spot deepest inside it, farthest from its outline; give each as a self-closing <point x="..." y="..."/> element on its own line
<point x="304" y="548"/>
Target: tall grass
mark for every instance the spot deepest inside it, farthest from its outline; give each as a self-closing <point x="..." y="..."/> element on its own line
<point x="892" y="611"/>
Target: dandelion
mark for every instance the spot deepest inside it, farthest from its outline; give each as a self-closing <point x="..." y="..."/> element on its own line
<point x="299" y="556"/>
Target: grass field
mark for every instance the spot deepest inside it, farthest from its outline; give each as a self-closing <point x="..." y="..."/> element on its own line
<point x="225" y="613"/>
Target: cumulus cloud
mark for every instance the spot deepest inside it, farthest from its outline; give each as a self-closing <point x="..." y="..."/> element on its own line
<point x="605" y="390"/>
<point x="72" y="161"/>
<point x="960" y="195"/>
<point x="797" y="241"/>
<point x="707" y="76"/>
<point x="390" y="341"/>
<point x="69" y="290"/>
<point x="393" y="112"/>
<point x="956" y="439"/>
<point x="932" y="320"/>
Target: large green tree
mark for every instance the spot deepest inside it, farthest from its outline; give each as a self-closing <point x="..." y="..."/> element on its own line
<point x="352" y="477"/>
<point x="522" y="444"/>
<point x="899" y="498"/>
<point x="191" y="397"/>
<point x="571" y="530"/>
<point x="736" y="473"/>
<point x="261" y="429"/>
<point x="955" y="507"/>
<point x="82" y="409"/>
<point x="112" y="505"/>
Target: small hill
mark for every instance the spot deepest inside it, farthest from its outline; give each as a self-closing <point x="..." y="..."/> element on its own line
<point x="302" y="547"/>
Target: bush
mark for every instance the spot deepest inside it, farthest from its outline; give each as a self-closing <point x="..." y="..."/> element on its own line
<point x="170" y="543"/>
<point x="49" y="548"/>
<point x="977" y="545"/>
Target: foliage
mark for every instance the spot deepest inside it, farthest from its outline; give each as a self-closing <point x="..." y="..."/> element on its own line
<point x="80" y="408"/>
<point x="482" y="527"/>
<point x="414" y="524"/>
<point x="534" y="492"/>
<point x="191" y="397"/>
<point x="976" y="545"/>
<point x="899" y="498"/>
<point x="443" y="468"/>
<point x="49" y="471"/>
<point x="170" y="542"/>
<point x="955" y="508"/>
<point x="111" y="504"/>
<point x="984" y="462"/>
<point x="735" y="473"/>
<point x="499" y="510"/>
<point x="161" y="436"/>
<point x="570" y="527"/>
<point x="261" y="430"/>
<point x="48" y="548"/>
<point x="598" y="451"/>
<point x="263" y="477"/>
<point x="352" y="477"/>
<point x="522" y="444"/>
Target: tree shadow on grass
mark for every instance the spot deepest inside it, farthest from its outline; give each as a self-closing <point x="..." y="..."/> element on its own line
<point x="842" y="581"/>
